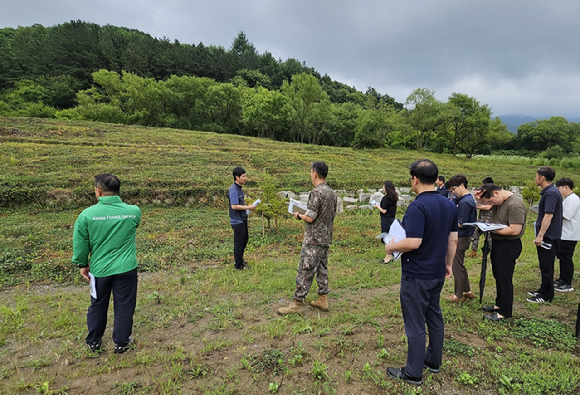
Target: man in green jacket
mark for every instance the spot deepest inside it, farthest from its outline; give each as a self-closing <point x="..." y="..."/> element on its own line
<point x="106" y="233"/>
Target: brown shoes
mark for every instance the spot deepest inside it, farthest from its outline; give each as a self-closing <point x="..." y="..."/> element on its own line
<point x="294" y="308"/>
<point x="321" y="302"/>
<point x="471" y="254"/>
<point x="454" y="298"/>
<point x="469" y="295"/>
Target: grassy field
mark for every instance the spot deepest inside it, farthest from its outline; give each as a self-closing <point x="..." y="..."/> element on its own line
<point x="45" y="161"/>
<point x="202" y="327"/>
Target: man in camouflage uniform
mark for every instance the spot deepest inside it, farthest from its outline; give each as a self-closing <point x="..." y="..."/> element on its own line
<point x="319" y="218"/>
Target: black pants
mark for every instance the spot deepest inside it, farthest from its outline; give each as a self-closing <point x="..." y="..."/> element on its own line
<point x="124" y="288"/>
<point x="565" y="254"/>
<point x="546" y="259"/>
<point x="420" y="306"/>
<point x="240" y="242"/>
<point x="503" y="263"/>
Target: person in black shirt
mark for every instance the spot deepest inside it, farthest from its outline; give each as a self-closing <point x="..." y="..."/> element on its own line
<point x="441" y="187"/>
<point x="466" y="212"/>
<point x="388" y="210"/>
<point x="548" y="233"/>
<point x="430" y="223"/>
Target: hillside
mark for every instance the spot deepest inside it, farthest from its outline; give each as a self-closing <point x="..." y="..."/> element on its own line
<point x="55" y="161"/>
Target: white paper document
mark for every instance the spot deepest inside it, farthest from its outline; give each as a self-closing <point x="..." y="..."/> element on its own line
<point x="373" y="202"/>
<point x="397" y="233"/>
<point x="255" y="204"/>
<point x="297" y="206"/>
<point x="93" y="286"/>
<point x="484" y="226"/>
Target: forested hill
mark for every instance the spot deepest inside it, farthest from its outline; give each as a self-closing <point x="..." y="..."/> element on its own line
<point x="77" y="49"/>
<point x="83" y="71"/>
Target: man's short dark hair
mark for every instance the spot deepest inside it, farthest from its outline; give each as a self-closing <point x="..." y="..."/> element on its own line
<point x="441" y="178"/>
<point x="565" y="182"/>
<point x="457" y="180"/>
<point x="548" y="172"/>
<point x="425" y="170"/>
<point x="488" y="190"/>
<point x="238" y="171"/>
<point x="487" y="180"/>
<point x="108" y="183"/>
<point x="320" y="168"/>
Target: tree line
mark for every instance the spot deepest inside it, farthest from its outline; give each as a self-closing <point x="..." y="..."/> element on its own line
<point x="79" y="70"/>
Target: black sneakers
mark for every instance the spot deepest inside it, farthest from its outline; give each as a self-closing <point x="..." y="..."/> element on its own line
<point x="96" y="346"/>
<point x="432" y="367"/>
<point x="397" y="373"/>
<point x="537" y="299"/>
<point x="563" y="288"/>
<point x="123" y="347"/>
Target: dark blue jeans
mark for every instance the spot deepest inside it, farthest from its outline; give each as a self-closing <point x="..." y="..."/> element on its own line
<point x="240" y="241"/>
<point x="420" y="306"/>
<point x="124" y="288"/>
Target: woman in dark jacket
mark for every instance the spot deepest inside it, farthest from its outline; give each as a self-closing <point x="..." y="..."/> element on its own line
<point x="388" y="209"/>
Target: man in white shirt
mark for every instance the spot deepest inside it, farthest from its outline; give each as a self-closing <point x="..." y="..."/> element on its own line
<point x="570" y="234"/>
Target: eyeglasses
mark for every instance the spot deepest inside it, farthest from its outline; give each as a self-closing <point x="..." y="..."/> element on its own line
<point x="411" y="178"/>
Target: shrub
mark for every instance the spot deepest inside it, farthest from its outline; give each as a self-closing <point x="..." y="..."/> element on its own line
<point x="531" y="193"/>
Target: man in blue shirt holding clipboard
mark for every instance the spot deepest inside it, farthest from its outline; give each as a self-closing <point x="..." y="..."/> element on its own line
<point x="239" y="217"/>
<point x="429" y="247"/>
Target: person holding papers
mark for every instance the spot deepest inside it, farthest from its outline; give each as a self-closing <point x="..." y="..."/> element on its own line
<point x="548" y="228"/>
<point x="508" y="209"/>
<point x="431" y="240"/>
<point x="319" y="219"/>
<point x="106" y="233"/>
<point x="388" y="209"/>
<point x="239" y="217"/>
<point x="466" y="212"/>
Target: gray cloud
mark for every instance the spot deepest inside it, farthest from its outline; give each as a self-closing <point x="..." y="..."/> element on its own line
<point x="518" y="56"/>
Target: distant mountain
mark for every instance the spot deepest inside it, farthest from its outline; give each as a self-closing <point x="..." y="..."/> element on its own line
<point x="513" y="121"/>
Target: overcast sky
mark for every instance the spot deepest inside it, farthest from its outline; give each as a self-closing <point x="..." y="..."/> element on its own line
<point x="517" y="56"/>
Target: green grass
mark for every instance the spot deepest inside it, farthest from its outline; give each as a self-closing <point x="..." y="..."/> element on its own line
<point x="50" y="162"/>
<point x="202" y="327"/>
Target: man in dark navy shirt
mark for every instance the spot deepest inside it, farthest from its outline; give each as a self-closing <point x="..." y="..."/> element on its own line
<point x="466" y="212"/>
<point x="441" y="188"/>
<point x="239" y="217"/>
<point x="548" y="233"/>
<point x="431" y="228"/>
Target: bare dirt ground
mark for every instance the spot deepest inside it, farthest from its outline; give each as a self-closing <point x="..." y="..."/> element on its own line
<point x="165" y="358"/>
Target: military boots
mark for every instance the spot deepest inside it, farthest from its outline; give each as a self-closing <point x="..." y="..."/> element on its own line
<point x="321" y="302"/>
<point x="294" y="308"/>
